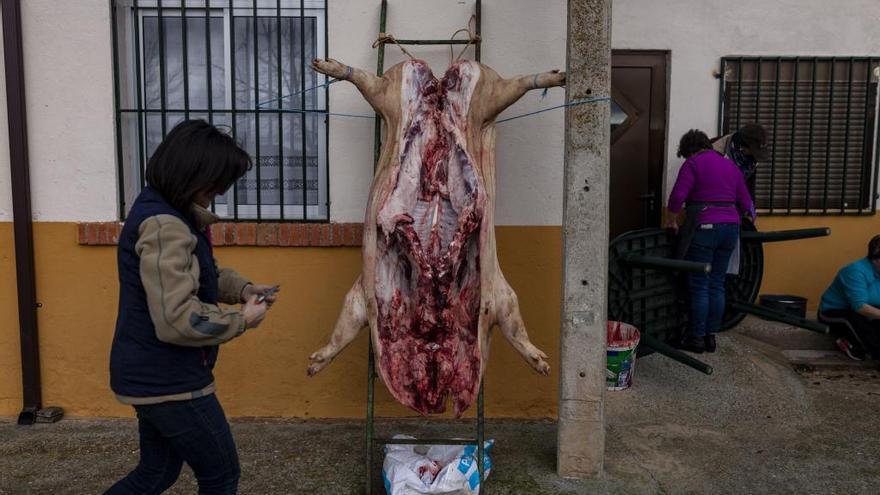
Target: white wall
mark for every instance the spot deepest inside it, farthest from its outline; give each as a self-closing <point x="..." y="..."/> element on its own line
<point x="700" y="32"/>
<point x="69" y="110"/>
<point x="519" y="38"/>
<point x="70" y="94"/>
<point x="68" y="74"/>
<point x="5" y="186"/>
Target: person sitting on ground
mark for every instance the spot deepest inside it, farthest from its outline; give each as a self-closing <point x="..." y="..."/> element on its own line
<point x="854" y="295"/>
<point x="716" y="198"/>
<point x="745" y="147"/>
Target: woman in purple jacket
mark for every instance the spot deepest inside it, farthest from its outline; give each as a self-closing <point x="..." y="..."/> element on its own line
<point x="716" y="196"/>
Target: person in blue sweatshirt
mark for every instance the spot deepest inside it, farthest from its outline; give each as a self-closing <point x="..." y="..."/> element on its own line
<point x="854" y="296"/>
<point x="170" y="322"/>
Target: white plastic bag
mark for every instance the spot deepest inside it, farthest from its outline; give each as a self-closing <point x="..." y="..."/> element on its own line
<point x="434" y="470"/>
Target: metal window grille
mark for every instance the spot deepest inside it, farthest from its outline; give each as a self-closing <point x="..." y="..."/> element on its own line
<point x="820" y="116"/>
<point x="243" y="65"/>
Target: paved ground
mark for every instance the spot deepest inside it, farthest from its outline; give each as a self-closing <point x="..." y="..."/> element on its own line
<point x="755" y="426"/>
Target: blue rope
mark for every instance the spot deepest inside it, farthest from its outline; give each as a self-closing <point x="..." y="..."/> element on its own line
<point x="358" y="116"/>
<point x="331" y="114"/>
<point x="335" y="114"/>
<point x="569" y="104"/>
<point x="326" y="84"/>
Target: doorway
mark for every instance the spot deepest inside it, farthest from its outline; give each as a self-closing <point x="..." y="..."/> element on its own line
<point x="638" y="138"/>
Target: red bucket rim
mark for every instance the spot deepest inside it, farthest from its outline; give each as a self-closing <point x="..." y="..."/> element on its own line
<point x="622" y="334"/>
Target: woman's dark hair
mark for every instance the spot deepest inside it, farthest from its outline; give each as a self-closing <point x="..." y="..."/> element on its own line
<point x="754" y="137"/>
<point x="195" y="157"/>
<point x="874" y="248"/>
<point x="692" y="142"/>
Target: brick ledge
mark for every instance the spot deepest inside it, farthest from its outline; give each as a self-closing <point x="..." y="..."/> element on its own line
<point x="245" y="234"/>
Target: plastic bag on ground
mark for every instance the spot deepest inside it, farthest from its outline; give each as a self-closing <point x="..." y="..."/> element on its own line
<point x="433" y="470"/>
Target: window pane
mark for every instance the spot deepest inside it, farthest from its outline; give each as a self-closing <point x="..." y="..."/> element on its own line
<point x="618" y="116"/>
<point x="272" y="56"/>
<point x="197" y="56"/>
<point x="280" y="154"/>
<point x="150" y="57"/>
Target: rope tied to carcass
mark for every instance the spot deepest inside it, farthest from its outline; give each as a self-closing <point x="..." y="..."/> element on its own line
<point x="389" y="38"/>
<point x="472" y="38"/>
<point x="385" y="38"/>
<point x="572" y="103"/>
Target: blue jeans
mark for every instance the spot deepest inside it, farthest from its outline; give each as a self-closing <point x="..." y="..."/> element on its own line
<point x="171" y="433"/>
<point x="715" y="246"/>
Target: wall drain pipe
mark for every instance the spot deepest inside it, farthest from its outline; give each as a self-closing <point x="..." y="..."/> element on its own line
<point x="21" y="211"/>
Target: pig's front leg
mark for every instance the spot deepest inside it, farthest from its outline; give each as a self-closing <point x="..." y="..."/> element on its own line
<point x="506" y="92"/>
<point x="370" y="86"/>
<point x="351" y="319"/>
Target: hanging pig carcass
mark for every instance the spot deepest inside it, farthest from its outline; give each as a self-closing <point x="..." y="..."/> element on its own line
<point x="431" y="287"/>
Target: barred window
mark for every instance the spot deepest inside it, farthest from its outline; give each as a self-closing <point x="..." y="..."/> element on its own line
<point x="243" y="65"/>
<point x="820" y="117"/>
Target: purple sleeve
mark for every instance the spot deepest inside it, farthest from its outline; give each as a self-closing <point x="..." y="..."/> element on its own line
<point x="743" y="200"/>
<point x="682" y="189"/>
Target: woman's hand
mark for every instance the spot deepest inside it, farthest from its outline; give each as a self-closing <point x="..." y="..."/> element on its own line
<point x="253" y="312"/>
<point x="672" y="223"/>
<point x="258" y="290"/>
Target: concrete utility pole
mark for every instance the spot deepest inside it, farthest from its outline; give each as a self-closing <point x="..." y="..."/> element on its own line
<point x="581" y="451"/>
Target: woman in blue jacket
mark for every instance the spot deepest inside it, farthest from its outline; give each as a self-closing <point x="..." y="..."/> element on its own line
<point x="169" y="324"/>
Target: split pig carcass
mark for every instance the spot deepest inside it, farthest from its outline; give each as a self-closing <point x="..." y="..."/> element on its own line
<point x="431" y="287"/>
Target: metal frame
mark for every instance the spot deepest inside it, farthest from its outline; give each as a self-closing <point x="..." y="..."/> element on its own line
<point x="369" y="439"/>
<point x="868" y="169"/>
<point x="646" y="287"/>
<point x="134" y="104"/>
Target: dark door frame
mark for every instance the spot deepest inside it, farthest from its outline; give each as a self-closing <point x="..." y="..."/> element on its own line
<point x="659" y="115"/>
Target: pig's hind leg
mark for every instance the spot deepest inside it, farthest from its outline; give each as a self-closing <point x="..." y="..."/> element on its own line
<point x="511" y="323"/>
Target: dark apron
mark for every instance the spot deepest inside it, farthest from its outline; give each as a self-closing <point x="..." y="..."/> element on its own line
<point x="689" y="227"/>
